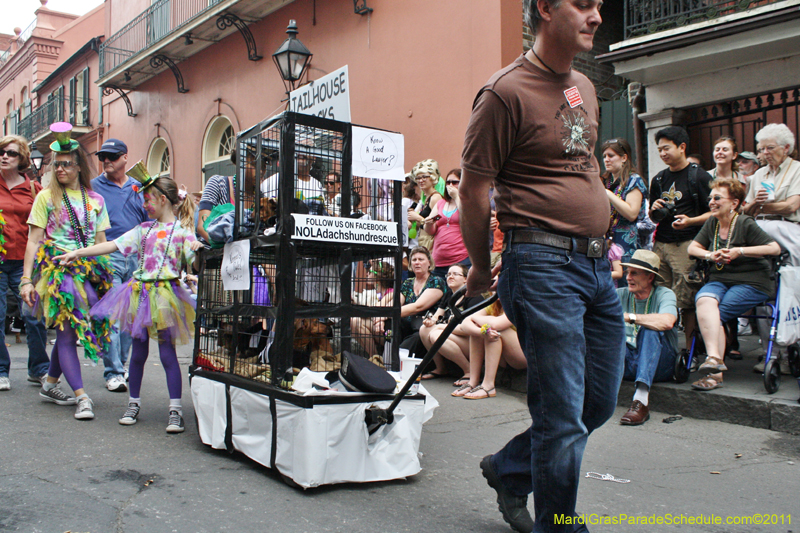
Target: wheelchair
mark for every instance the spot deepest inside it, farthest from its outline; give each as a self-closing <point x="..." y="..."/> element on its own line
<point x="688" y="359"/>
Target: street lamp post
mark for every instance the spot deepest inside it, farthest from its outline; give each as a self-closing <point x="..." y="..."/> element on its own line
<point x="36" y="160"/>
<point x="292" y="58"/>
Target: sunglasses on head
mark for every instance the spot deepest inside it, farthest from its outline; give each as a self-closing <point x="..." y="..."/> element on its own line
<point x="108" y="157"/>
<point x="65" y="164"/>
<point x="9" y="153"/>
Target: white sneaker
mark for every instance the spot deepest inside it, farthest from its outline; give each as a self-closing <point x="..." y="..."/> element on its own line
<point x="131" y="415"/>
<point x="116" y="384"/>
<point x="85" y="409"/>
<point x="5" y="383"/>
<point x="745" y="330"/>
<point x="175" y="422"/>
<point x="57" y="396"/>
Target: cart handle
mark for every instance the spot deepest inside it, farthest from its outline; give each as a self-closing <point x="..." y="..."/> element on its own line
<point x="376" y="417"/>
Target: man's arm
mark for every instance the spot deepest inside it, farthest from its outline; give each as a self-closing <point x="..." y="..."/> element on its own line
<point x="201" y="218"/>
<point x="654" y="321"/>
<point x="784" y="208"/>
<point x="473" y="198"/>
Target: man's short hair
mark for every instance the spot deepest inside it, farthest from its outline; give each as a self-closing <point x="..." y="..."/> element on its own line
<point x="532" y="15"/>
<point x="675" y="134"/>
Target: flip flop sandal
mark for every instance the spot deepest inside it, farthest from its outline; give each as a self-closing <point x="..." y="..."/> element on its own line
<point x="460" y="382"/>
<point x="712" y="365"/>
<point x="706" y="384"/>
<point x="491" y="393"/>
<point x="465" y="389"/>
<point x="432" y="375"/>
<point x="736" y="355"/>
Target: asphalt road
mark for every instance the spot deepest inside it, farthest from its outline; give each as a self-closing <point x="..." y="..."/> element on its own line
<point x="59" y="474"/>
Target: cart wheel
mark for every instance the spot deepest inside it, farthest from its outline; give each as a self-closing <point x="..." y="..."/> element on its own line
<point x="794" y="359"/>
<point x="772" y="375"/>
<point x="681" y="367"/>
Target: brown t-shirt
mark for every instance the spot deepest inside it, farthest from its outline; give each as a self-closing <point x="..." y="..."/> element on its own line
<point x="534" y="133"/>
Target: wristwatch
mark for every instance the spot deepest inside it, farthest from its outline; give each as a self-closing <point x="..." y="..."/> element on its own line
<point x="631" y="318"/>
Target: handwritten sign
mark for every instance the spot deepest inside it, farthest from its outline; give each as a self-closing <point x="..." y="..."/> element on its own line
<point x="378" y="154"/>
<point x="327" y="97"/>
<point x="236" y="266"/>
<point x="339" y="229"/>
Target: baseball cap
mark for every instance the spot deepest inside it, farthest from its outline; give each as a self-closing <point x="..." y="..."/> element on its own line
<point x="113" y="146"/>
<point x="748" y="155"/>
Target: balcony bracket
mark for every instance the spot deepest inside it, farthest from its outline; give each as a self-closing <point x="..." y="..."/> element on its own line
<point x="226" y="20"/>
<point x="159" y="60"/>
<point x="109" y="89"/>
<point x="360" y="7"/>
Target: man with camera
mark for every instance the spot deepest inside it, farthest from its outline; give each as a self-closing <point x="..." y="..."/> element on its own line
<point x="679" y="207"/>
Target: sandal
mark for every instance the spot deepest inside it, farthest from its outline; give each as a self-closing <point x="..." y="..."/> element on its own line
<point x="432" y="375"/>
<point x="466" y="388"/>
<point x="736" y="355"/>
<point x="707" y="383"/>
<point x="483" y="394"/>
<point x="460" y="382"/>
<point x="712" y="365"/>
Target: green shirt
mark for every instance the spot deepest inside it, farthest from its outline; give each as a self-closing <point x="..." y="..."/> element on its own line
<point x="663" y="302"/>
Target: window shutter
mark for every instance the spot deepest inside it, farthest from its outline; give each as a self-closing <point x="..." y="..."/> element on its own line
<point x="85" y="106"/>
<point x="73" y="87"/>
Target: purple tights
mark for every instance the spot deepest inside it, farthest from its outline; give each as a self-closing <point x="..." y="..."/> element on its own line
<point x="65" y="358"/>
<point x="169" y="360"/>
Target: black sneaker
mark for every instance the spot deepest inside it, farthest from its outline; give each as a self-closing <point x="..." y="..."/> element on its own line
<point x="131" y="414"/>
<point x="175" y="423"/>
<point x="513" y="508"/>
<point x="57" y="396"/>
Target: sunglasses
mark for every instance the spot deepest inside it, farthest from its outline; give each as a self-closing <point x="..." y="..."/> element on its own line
<point x="108" y="157"/>
<point x="717" y="198"/>
<point x="330" y="183"/>
<point x="9" y="153"/>
<point x="452" y="182"/>
<point x="64" y="164"/>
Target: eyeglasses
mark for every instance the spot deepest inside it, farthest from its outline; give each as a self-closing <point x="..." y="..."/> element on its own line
<point x="763" y="149"/>
<point x="717" y="198"/>
<point x="64" y="164"/>
<point x="9" y="153"/>
<point x="423" y="178"/>
<point x="452" y="182"/>
<point x="453" y="274"/>
<point x="108" y="157"/>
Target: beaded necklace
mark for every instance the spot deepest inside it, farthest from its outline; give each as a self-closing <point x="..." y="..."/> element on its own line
<point x="632" y="306"/>
<point x="83" y="239"/>
<point x="615" y="216"/>
<point x="720" y="266"/>
<point x="143" y="294"/>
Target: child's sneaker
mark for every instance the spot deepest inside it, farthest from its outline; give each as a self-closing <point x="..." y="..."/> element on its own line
<point x="175" y="423"/>
<point x="85" y="409"/>
<point x="131" y="414"/>
<point x="57" y="396"/>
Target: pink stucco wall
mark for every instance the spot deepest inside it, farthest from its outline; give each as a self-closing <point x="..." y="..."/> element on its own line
<point x="414" y="66"/>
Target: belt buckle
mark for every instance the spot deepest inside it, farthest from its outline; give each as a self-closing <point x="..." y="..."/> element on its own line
<point x="594" y="248"/>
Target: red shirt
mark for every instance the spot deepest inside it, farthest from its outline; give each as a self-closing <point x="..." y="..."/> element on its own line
<point x="16" y="204"/>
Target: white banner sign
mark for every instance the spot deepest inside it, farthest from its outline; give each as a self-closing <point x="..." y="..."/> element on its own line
<point x="236" y="266"/>
<point x="378" y="154"/>
<point x="327" y="97"/>
<point x="339" y="229"/>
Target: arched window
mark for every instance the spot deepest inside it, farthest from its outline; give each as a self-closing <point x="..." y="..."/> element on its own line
<point x="23" y="104"/>
<point x="219" y="142"/>
<point x="158" y="161"/>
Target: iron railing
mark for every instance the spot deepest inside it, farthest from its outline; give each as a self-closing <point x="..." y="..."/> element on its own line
<point x="5" y="55"/>
<point x="643" y="17"/>
<point x="21" y="40"/>
<point x="160" y="20"/>
<point x="55" y="109"/>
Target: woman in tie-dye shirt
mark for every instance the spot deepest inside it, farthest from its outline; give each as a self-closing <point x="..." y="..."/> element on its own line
<point x="66" y="216"/>
<point x="153" y="304"/>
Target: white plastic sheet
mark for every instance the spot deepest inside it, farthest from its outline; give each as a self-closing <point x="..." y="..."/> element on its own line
<point x="316" y="446"/>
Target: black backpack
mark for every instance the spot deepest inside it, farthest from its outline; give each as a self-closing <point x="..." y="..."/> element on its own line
<point x="694" y="190"/>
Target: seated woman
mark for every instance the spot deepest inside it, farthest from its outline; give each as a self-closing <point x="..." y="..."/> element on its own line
<point x="739" y="276"/>
<point x="380" y="274"/>
<point x="418" y="294"/>
<point x="492" y="338"/>
<point x="456" y="347"/>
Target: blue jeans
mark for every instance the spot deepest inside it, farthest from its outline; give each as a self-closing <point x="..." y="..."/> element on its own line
<point x="652" y="360"/>
<point x="38" y="362"/>
<point x="120" y="348"/>
<point x="569" y="322"/>
<point x="733" y="300"/>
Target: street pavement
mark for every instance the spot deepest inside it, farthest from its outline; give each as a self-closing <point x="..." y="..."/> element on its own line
<point x="60" y="474"/>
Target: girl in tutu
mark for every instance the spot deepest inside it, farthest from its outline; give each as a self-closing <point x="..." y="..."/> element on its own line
<point x="66" y="216"/>
<point x="153" y="304"/>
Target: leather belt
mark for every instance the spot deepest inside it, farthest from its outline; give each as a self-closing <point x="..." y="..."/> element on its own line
<point x="591" y="247"/>
<point x="775" y="217"/>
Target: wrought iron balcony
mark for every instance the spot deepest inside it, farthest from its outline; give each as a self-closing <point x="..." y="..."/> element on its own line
<point x="644" y="17"/>
<point x="170" y="31"/>
<point x="55" y="109"/>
